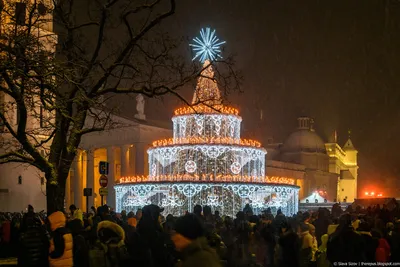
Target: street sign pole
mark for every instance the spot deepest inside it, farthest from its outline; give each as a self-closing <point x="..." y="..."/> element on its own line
<point x="87" y="192"/>
<point x="103" y="186"/>
<point x="87" y="207"/>
<point x="103" y="191"/>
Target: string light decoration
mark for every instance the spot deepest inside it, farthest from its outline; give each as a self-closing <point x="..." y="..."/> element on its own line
<point x="206" y="110"/>
<point x="206" y="179"/>
<point x="206" y="140"/>
<point x="227" y="198"/>
<point x="206" y="162"/>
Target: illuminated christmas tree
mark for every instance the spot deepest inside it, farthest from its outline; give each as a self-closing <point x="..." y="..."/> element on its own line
<point x="206" y="162"/>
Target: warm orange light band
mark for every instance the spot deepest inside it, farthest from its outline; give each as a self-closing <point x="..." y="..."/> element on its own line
<point x="206" y="109"/>
<point x="207" y="178"/>
<point x="206" y="140"/>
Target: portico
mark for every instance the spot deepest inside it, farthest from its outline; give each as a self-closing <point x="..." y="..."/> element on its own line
<point x="125" y="149"/>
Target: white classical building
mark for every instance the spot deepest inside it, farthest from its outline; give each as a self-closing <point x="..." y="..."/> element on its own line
<point x="123" y="147"/>
<point x="125" y="150"/>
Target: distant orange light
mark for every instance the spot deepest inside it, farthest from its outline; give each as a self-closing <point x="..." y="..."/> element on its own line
<point x="372" y="193"/>
<point x="366" y="193"/>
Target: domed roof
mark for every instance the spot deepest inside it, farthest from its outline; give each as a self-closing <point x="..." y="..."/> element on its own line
<point x="304" y="139"/>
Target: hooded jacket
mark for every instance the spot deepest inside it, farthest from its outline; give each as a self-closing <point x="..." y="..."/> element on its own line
<point x="61" y="245"/>
<point x="110" y="232"/>
<point x="110" y="249"/>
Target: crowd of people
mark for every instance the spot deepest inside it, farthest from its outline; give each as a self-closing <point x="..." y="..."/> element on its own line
<point x="202" y="238"/>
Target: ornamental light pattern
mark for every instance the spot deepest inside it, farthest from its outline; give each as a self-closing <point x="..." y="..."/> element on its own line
<point x="206" y="162"/>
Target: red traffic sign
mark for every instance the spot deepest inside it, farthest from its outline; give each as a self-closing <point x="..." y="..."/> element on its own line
<point x="103" y="181"/>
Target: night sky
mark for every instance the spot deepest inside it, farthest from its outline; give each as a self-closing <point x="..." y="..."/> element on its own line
<point x="335" y="61"/>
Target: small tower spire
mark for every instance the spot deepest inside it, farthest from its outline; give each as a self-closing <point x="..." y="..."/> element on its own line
<point x="349" y="144"/>
<point x="333" y="137"/>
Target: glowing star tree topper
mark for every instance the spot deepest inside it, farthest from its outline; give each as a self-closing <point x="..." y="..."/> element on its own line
<point x="208" y="46"/>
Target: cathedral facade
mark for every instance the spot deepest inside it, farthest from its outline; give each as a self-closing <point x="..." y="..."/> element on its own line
<point x="323" y="170"/>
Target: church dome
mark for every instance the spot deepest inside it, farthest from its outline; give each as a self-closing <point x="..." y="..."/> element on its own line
<point x="304" y="139"/>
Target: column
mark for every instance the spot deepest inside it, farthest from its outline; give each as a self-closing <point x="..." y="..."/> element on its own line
<point x="78" y="191"/>
<point x="125" y="158"/>
<point x="90" y="174"/>
<point x="139" y="159"/>
<point x="111" y="177"/>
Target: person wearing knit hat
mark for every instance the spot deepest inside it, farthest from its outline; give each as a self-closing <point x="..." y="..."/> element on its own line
<point x="189" y="239"/>
<point x="314" y="248"/>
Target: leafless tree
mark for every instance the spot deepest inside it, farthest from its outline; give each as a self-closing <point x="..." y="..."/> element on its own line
<point x="104" y="47"/>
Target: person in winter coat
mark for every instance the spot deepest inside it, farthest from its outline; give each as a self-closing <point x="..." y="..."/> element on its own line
<point x="307" y="243"/>
<point x="152" y="246"/>
<point x="229" y="239"/>
<point x="370" y="243"/>
<point x="27" y="216"/>
<point x="109" y="250"/>
<point x="288" y="249"/>
<point x="243" y="232"/>
<point x="6" y="232"/>
<point x="61" y="243"/>
<point x="267" y="232"/>
<point x="321" y="224"/>
<point x="190" y="240"/>
<point x="394" y="242"/>
<point x="139" y="215"/>
<point x="382" y="253"/>
<point x="332" y="227"/>
<point x="345" y="244"/>
<point x="130" y="230"/>
<point x="81" y="249"/>
<point x="33" y="244"/>
<point x="314" y="247"/>
<point x="124" y="217"/>
<point x="76" y="213"/>
<point x="321" y="253"/>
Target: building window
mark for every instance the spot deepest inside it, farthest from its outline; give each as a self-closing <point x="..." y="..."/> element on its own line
<point x="20" y="179"/>
<point x="20" y="13"/>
